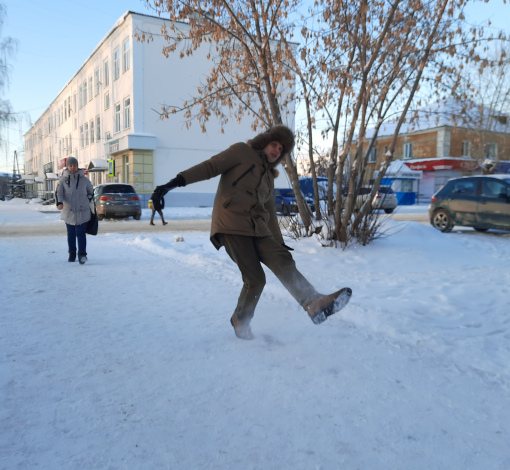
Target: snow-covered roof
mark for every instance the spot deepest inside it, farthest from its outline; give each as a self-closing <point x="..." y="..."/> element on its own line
<point x="449" y="112"/>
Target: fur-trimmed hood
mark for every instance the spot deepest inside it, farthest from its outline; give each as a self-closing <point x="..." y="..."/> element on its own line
<point x="278" y="133"/>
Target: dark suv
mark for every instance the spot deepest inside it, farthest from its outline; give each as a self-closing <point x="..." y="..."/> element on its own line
<point x="481" y="202"/>
<point x="117" y="200"/>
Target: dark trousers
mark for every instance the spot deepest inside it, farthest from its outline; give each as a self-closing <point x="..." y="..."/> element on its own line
<point x="154" y="213"/>
<point x="77" y="232"/>
<point x="248" y="253"/>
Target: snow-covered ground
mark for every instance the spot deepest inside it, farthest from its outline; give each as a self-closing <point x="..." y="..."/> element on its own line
<point x="130" y="362"/>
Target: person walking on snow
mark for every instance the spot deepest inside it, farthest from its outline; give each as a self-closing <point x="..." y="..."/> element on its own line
<point x="73" y="195"/>
<point x="244" y="221"/>
<point x="158" y="204"/>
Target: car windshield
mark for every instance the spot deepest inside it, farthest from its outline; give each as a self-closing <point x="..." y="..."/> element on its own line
<point x="287" y="192"/>
<point x="118" y="189"/>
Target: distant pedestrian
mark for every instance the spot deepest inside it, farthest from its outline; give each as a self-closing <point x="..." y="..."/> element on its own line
<point x="158" y="204"/>
<point x="73" y="196"/>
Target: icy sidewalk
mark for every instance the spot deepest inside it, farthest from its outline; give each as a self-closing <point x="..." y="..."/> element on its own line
<point x="129" y="362"/>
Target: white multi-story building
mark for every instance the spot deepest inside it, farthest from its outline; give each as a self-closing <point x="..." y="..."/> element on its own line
<point x="109" y="111"/>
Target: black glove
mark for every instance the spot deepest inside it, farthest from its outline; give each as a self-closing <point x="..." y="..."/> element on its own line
<point x="172" y="184"/>
<point x="288" y="247"/>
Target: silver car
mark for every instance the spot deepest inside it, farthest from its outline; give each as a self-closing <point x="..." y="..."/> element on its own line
<point x="117" y="200"/>
<point x="385" y="198"/>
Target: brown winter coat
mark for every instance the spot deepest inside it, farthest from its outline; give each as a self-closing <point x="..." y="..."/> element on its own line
<point x="244" y="203"/>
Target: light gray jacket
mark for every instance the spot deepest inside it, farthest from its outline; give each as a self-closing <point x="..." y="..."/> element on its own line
<point x="72" y="191"/>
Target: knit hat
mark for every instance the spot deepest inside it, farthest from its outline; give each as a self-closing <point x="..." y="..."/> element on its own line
<point x="71" y="161"/>
<point x="278" y="133"/>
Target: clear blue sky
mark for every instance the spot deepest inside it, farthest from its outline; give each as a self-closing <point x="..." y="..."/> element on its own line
<point x="57" y="36"/>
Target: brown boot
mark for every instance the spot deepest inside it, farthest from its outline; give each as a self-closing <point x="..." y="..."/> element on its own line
<point x="242" y="331"/>
<point x="165" y="223"/>
<point x="152" y="223"/>
<point x="326" y="305"/>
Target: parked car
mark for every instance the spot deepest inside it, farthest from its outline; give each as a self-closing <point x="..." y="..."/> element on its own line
<point x="306" y="185"/>
<point x="286" y="203"/>
<point x="117" y="200"/>
<point x="385" y="198"/>
<point x="481" y="202"/>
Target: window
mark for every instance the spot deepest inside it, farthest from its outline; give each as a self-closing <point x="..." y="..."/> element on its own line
<point x="92" y="132"/>
<point x="494" y="189"/>
<point x="65" y="110"/>
<point x="84" y="88"/>
<point x="466" y="148"/>
<point x="75" y="122"/>
<point x="106" y="72"/>
<point x="491" y="150"/>
<point x="66" y="144"/>
<point x="70" y="146"/>
<point x="98" y="129"/>
<point x="96" y="82"/>
<point x="69" y="105"/>
<point x="107" y="100"/>
<point x="81" y="137"/>
<point x="408" y="151"/>
<point x="465" y="186"/>
<point x="117" y="118"/>
<point x="90" y="88"/>
<point x="385" y="149"/>
<point x="59" y="117"/>
<point x="76" y="153"/>
<point x="127" y="113"/>
<point x="108" y="136"/>
<point x="86" y="133"/>
<point x="116" y="64"/>
<point x="125" y="56"/>
<point x="74" y="99"/>
<point x="372" y="158"/>
<point x="59" y="149"/>
<point x="406" y="186"/>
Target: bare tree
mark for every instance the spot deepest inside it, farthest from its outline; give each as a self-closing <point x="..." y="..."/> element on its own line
<point x="355" y="66"/>
<point x="7" y="48"/>
<point x="250" y="52"/>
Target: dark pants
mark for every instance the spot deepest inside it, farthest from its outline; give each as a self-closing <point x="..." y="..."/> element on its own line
<point x="248" y="253"/>
<point x="154" y="213"/>
<point x="77" y="232"/>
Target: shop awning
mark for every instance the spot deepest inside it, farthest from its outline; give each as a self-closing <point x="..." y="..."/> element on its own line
<point x="51" y="177"/>
<point x="39" y="179"/>
<point x="399" y="170"/>
<point x="446" y="163"/>
<point x="27" y="179"/>
<point x="97" y="164"/>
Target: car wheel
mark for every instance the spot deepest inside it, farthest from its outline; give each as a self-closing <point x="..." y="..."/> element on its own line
<point x="442" y="221"/>
<point x="388" y="211"/>
<point x="137" y="217"/>
<point x="480" y="229"/>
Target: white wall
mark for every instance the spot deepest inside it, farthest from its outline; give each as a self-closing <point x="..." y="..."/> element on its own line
<point x="172" y="81"/>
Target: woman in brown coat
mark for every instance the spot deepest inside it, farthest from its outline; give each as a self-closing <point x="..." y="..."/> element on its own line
<point x="244" y="221"/>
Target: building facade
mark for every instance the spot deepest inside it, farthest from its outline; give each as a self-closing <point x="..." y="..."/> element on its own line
<point x="110" y="111"/>
<point x="441" y="149"/>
